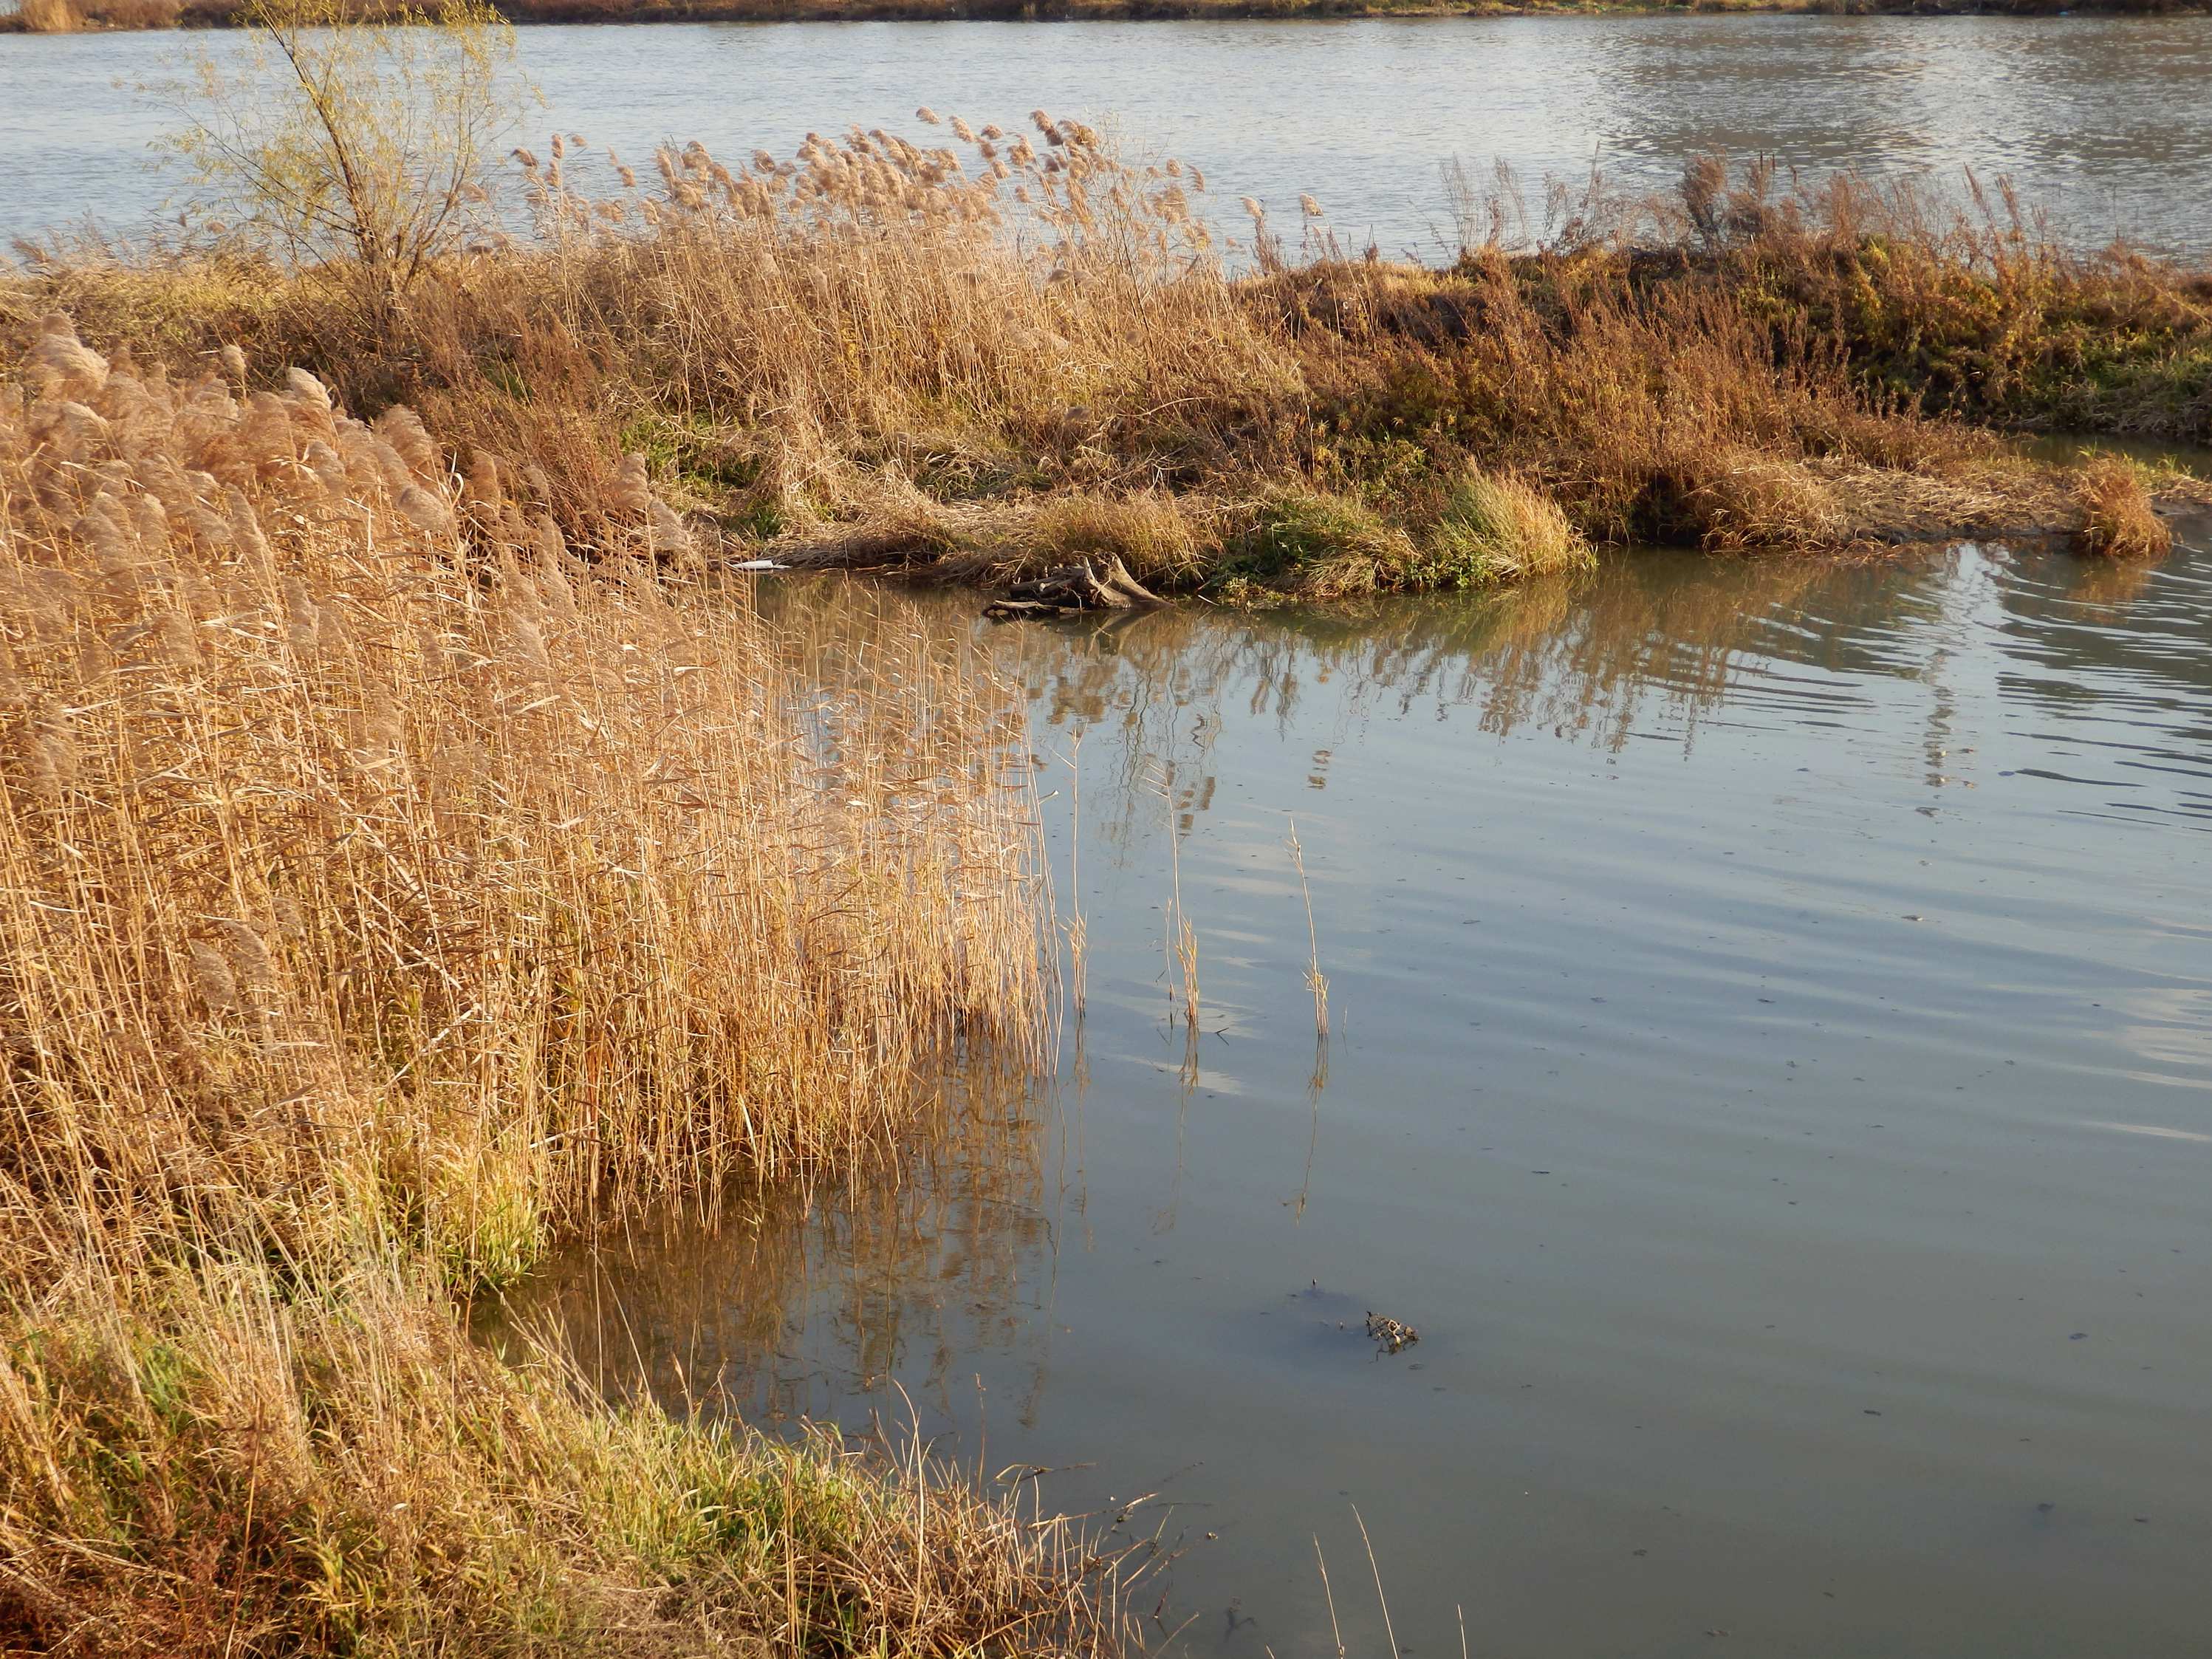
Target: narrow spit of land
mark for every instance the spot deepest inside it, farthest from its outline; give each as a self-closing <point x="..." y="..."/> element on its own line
<point x="848" y="358"/>
<point x="66" y="16"/>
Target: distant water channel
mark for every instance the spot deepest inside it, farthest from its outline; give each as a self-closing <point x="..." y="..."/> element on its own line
<point x="2105" y="121"/>
<point x="1770" y="1064"/>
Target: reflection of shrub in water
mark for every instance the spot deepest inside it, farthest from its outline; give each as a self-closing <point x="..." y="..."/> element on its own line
<point x="1575" y="653"/>
<point x="2108" y="587"/>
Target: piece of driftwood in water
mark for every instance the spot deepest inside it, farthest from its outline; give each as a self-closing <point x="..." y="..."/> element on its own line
<point x="1071" y="588"/>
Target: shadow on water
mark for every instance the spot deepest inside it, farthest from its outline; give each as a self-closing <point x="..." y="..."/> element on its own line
<point x="1768" y="1061"/>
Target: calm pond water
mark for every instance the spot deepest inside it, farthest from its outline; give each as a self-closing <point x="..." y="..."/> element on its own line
<point x="2104" y="120"/>
<point x="1770" y="1064"/>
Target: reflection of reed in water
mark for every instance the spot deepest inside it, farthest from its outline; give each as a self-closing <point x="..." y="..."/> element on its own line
<point x="1643" y="638"/>
<point x="2106" y="587"/>
<point x="1317" y="982"/>
<point x="1656" y="635"/>
<point x="794" y="1300"/>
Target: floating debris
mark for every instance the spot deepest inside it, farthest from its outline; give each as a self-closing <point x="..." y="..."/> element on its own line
<point x="1073" y="588"/>
<point x="1390" y="1334"/>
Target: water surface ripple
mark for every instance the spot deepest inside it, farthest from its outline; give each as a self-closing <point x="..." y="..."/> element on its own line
<point x="2103" y="120"/>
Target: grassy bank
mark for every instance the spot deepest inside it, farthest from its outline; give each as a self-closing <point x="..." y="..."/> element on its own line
<point x="62" y="16"/>
<point x="1009" y="349"/>
<point x="387" y="891"/>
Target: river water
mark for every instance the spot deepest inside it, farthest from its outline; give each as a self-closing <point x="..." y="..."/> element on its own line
<point x="2103" y="121"/>
<point x="1770" y="1063"/>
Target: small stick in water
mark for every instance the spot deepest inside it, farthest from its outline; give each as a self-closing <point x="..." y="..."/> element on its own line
<point x="1316" y="982"/>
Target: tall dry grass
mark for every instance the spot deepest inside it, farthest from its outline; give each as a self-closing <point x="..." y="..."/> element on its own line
<point x="383" y="890"/>
<point x="49" y="17"/>
<point x="1006" y="312"/>
<point x="1500" y="529"/>
<point x="871" y="348"/>
<point x="356" y="767"/>
<point x="225" y="1461"/>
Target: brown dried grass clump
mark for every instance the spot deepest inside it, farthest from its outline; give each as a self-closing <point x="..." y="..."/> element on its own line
<point x="2118" y="518"/>
<point x="1737" y="502"/>
<point x="383" y="889"/>
<point x="1652" y="413"/>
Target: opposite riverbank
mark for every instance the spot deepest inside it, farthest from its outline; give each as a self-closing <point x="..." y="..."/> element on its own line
<point x="58" y="16"/>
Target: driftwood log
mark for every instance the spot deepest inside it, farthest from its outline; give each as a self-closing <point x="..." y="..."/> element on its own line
<point x="1071" y="588"/>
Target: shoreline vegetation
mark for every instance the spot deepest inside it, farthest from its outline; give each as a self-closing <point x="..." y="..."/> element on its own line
<point x="996" y="356"/>
<point x="65" y="17"/>
<point x="394" y="886"/>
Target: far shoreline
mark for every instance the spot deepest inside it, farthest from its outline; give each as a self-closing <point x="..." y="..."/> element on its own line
<point x="103" y="16"/>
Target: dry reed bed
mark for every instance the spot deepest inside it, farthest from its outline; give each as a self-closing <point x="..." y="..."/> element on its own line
<point x="1739" y="368"/>
<point x="1029" y="349"/>
<point x="569" y="834"/>
<point x="385" y="889"/>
